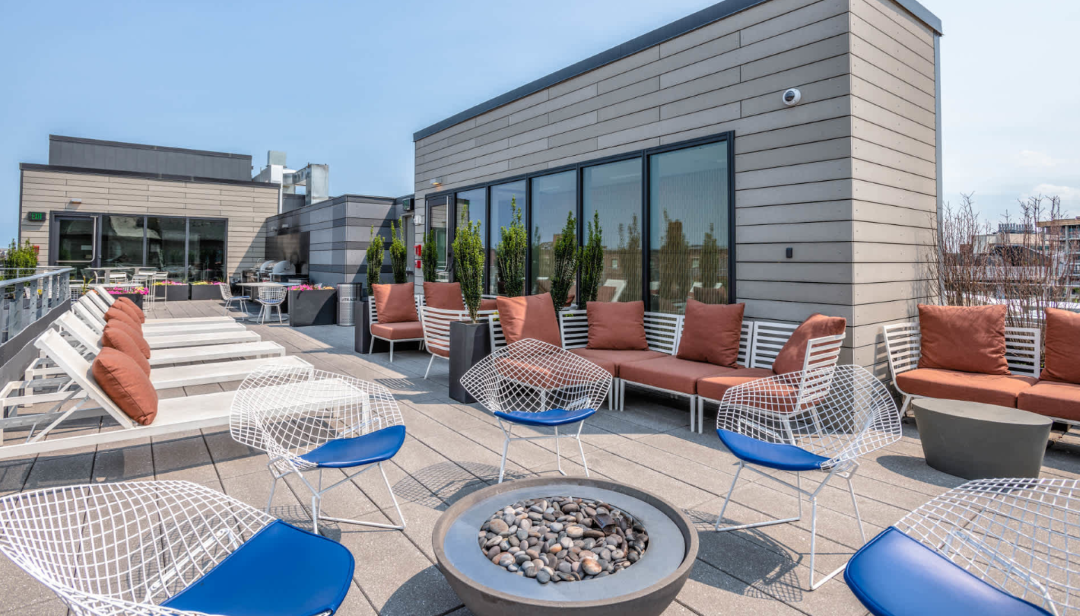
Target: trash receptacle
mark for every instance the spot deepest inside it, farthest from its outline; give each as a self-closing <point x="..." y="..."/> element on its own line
<point x="348" y="294"/>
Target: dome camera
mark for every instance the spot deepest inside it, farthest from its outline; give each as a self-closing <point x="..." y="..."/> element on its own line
<point x="792" y="97"/>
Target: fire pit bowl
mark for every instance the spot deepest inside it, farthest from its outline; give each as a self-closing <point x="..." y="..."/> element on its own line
<point x="647" y="588"/>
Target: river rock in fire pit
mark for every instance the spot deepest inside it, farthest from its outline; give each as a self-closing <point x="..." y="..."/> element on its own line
<point x="557" y="542"/>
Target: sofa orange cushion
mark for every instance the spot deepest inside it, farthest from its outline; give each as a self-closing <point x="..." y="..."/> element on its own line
<point x="711" y="333"/>
<point x="529" y="316"/>
<point x="489" y="303"/>
<point x="714" y="387"/>
<point x="118" y="313"/>
<point x="443" y="295"/>
<point x="1053" y="399"/>
<point x="131" y="308"/>
<point x="999" y="389"/>
<point x="963" y="338"/>
<point x="132" y="333"/>
<point x="792" y="355"/>
<point x="116" y="338"/>
<point x="616" y="326"/>
<point x="404" y="330"/>
<point x="1062" y="348"/>
<point x="611" y="360"/>
<point x="395" y="303"/>
<point x="670" y="373"/>
<point x="122" y="380"/>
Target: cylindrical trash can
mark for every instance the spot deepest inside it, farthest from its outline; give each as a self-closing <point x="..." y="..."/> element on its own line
<point x="348" y="294"/>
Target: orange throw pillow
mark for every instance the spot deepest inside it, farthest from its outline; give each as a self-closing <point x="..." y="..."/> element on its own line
<point x="116" y="338"/>
<point x="792" y="355"/>
<point x="711" y="333"/>
<point x="443" y="295"/>
<point x="530" y="316"/>
<point x="963" y="338"/>
<point x="616" y="327"/>
<point x="395" y="303"/>
<point x="117" y="313"/>
<point x="132" y="308"/>
<point x="121" y="379"/>
<point x="131" y="332"/>
<point x="1062" y="346"/>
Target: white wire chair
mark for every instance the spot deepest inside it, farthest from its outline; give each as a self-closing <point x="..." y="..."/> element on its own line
<point x="1015" y="535"/>
<point x="306" y="419"/>
<point x="112" y="549"/>
<point x="821" y="420"/>
<point x="271" y="297"/>
<point x="226" y="294"/>
<point x="540" y="385"/>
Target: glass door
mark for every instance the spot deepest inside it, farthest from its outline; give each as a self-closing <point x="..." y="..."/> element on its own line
<point x="76" y="244"/>
<point x="438" y="217"/>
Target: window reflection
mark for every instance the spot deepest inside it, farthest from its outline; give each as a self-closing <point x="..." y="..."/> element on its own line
<point x="166" y="245"/>
<point x="121" y="241"/>
<point x="614" y="191"/>
<point x="438" y="213"/>
<point x="471" y="206"/>
<point x="553" y="198"/>
<point x="501" y="216"/>
<point x="206" y="250"/>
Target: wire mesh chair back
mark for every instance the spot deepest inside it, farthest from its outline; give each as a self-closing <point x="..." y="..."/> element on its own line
<point x="1019" y="535"/>
<point x="534" y="376"/>
<point x="272" y="295"/>
<point x="121" y="548"/>
<point x="287" y="411"/>
<point x="850" y="413"/>
<point x="226" y="292"/>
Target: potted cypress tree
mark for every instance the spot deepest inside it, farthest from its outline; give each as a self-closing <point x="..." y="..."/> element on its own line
<point x="510" y="255"/>
<point x="399" y="256"/>
<point x="591" y="262"/>
<point x="374" y="258"/>
<point x="469" y="342"/>
<point x="429" y="257"/>
<point x="564" y="273"/>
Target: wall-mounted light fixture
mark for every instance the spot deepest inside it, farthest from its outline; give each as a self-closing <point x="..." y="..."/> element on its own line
<point x="436" y="182"/>
<point x="75" y="202"/>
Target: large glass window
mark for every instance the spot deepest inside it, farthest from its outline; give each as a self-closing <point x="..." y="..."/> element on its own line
<point x="554" y="197"/>
<point x="121" y="241"/>
<point x="206" y="249"/>
<point x="166" y="245"/>
<point x="614" y="191"/>
<point x="471" y="206"/>
<point x="437" y="210"/>
<point x="502" y="196"/>
<point x="688" y="227"/>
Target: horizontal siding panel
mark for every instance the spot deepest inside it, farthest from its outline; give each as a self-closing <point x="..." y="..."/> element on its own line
<point x="878" y="174"/>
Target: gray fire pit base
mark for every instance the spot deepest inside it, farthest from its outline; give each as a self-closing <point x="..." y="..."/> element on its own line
<point x="981" y="441"/>
<point x="646" y="588"/>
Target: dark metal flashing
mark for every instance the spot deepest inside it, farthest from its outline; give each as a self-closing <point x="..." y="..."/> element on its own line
<point x="672" y="30"/>
<point x="149" y="176"/>
<point x="142" y="146"/>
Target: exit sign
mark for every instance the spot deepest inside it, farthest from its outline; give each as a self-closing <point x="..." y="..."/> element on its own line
<point x="35" y="216"/>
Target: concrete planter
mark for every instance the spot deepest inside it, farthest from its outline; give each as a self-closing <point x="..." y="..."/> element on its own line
<point x="173" y="292"/>
<point x="645" y="589"/>
<point x="317" y="307"/>
<point x="469" y="343"/>
<point x="205" y="292"/>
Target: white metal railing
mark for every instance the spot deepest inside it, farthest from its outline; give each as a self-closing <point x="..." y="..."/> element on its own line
<point x="27" y="299"/>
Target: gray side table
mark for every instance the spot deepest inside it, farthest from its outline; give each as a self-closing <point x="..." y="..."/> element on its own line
<point x="981" y="441"/>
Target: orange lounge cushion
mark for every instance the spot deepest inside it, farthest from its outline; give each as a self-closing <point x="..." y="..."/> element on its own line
<point x="529" y="316"/>
<point x="117" y="313"/>
<point x="538" y="372"/>
<point x="999" y="389"/>
<point x="398" y="331"/>
<point x="395" y="303"/>
<point x="443" y="295"/>
<point x="963" y="338"/>
<point x="131" y="308"/>
<point x="116" y="338"/>
<point x="135" y="335"/>
<point x="611" y="360"/>
<point x="489" y="303"/>
<point x="1053" y="399"/>
<point x="126" y="384"/>
<point x="1062" y="346"/>
<point x="714" y="387"/>
<point x="792" y="355"/>
<point x="670" y="373"/>
<point x="711" y="333"/>
<point x="616" y="326"/>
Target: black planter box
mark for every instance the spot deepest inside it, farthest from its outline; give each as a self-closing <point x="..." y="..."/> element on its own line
<point x="469" y="343"/>
<point x="173" y="292"/>
<point x="135" y="297"/>
<point x="312" y="307"/>
<point x="205" y="292"/>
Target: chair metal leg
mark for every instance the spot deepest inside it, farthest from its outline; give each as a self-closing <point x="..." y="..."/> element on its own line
<point x="558" y="454"/>
<point x="319" y="492"/>
<point x="581" y="448"/>
<point x="755" y="524"/>
<point x="273" y="486"/>
<point x="693" y="412"/>
<point x="622" y="395"/>
<point x="391" y="351"/>
<point x="428" y="371"/>
<point x="904" y="407"/>
<point x="280" y="319"/>
<point x="506" y="445"/>
<point x="371" y="347"/>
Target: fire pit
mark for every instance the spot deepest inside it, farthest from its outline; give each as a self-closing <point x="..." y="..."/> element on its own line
<point x="662" y="539"/>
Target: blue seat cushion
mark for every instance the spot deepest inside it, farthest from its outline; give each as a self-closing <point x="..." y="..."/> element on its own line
<point x="359" y="450"/>
<point x="895" y="575"/>
<point x="282" y="570"/>
<point x="554" y="417"/>
<point x="772" y="455"/>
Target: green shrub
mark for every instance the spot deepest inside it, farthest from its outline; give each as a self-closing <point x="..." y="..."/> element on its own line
<point x="564" y="274"/>
<point x="374" y="260"/>
<point x="469" y="264"/>
<point x="429" y="257"/>
<point x="510" y="254"/>
<point x="20" y="261"/>
<point x="591" y="262"/>
<point x="399" y="256"/>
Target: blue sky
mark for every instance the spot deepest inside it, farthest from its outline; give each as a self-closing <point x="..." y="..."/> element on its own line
<point x="348" y="83"/>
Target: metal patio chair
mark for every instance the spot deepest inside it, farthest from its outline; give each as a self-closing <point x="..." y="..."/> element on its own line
<point x="823" y="421"/>
<point x="310" y="420"/>
<point x="226" y="294"/>
<point x="169" y="548"/>
<point x="533" y="383"/>
<point x="989" y="547"/>
<point x="270" y="298"/>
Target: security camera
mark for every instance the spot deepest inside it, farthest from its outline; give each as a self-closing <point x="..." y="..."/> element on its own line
<point x="792" y="97"/>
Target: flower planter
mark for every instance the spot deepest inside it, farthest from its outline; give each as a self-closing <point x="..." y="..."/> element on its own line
<point x="317" y="307"/>
<point x="135" y="297"/>
<point x="205" y="292"/>
<point x="172" y="292"/>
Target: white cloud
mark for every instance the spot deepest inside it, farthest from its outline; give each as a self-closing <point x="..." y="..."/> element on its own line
<point x="1067" y="193"/>
<point x="1031" y="158"/>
